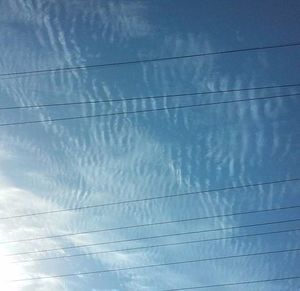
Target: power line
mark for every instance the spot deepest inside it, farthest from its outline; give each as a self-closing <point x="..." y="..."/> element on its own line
<point x="152" y="237"/>
<point x="236" y="283"/>
<point x="155" y="237"/>
<point x="155" y="246"/>
<point x="152" y="198"/>
<point x="154" y="265"/>
<point x="144" y="110"/>
<point x="148" y="97"/>
<point x="146" y="225"/>
<point x="113" y="64"/>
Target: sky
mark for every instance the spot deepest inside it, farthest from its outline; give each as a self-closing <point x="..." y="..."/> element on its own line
<point x="67" y="164"/>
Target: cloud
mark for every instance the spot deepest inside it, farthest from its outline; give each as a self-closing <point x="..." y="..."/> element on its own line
<point x="98" y="160"/>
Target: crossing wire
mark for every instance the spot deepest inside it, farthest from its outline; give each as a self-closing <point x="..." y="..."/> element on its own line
<point x="155" y="246"/>
<point x="32" y="106"/>
<point x="114" y="64"/>
<point x="153" y="265"/>
<point x="50" y="120"/>
<point x="153" y="198"/>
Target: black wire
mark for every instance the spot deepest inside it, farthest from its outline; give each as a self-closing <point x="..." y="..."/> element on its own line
<point x="149" y="97"/>
<point x="149" y="224"/>
<point x="235" y="283"/>
<point x="150" y="237"/>
<point x="144" y="110"/>
<point x="156" y="246"/>
<point x="83" y="67"/>
<point x="154" y="265"/>
<point x="151" y="198"/>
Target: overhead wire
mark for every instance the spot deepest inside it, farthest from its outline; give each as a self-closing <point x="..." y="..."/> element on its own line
<point x="155" y="246"/>
<point x="150" y="237"/>
<point x="154" y="265"/>
<point x="274" y="182"/>
<point x="32" y="106"/>
<point x="235" y="283"/>
<point x="134" y="112"/>
<point x="142" y="61"/>
<point x="146" y="225"/>
<point x="50" y="120"/>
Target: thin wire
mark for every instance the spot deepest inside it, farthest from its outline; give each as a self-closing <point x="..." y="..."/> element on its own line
<point x="140" y="225"/>
<point x="154" y="265"/>
<point x="148" y="97"/>
<point x="152" y="198"/>
<point x="152" y="237"/>
<point x="144" y="110"/>
<point x="84" y="67"/>
<point x="155" y="246"/>
<point x="236" y="283"/>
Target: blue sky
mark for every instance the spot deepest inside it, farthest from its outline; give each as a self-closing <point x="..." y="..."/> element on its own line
<point x="94" y="161"/>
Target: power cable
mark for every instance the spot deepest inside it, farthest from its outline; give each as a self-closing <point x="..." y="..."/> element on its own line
<point x="154" y="246"/>
<point x="113" y="64"/>
<point x="148" y="97"/>
<point x="148" y="237"/>
<point x="153" y="265"/>
<point x="153" y="198"/>
<point x="144" y="110"/>
<point x="236" y="283"/>
<point x="145" y="225"/>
